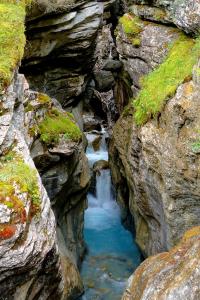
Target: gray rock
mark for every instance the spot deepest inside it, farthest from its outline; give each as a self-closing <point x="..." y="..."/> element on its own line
<point x="60" y="49"/>
<point x="112" y="65"/>
<point x="31" y="263"/>
<point x="160" y="170"/>
<point x="104" y="80"/>
<point x="185" y="14"/>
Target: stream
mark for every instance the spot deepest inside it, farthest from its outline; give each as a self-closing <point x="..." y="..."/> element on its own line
<point x="112" y="253"/>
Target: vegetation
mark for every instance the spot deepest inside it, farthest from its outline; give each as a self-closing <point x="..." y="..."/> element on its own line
<point x="57" y="124"/>
<point x="14" y="171"/>
<point x="196" y="145"/>
<point x="132" y="26"/>
<point x="12" y="39"/>
<point x="161" y="84"/>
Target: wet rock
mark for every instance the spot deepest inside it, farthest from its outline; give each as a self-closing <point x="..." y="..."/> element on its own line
<point x="169" y="275"/>
<point x="112" y="65"/>
<point x="96" y="143"/>
<point x="104" y="80"/>
<point x="100" y="165"/>
<point x="91" y="123"/>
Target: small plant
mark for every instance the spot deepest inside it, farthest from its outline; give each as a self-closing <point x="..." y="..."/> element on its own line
<point x="162" y="83"/>
<point x="196" y="145"/>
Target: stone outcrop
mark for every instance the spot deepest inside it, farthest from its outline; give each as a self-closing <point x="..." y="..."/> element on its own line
<point x="32" y="265"/>
<point x="185" y="14"/>
<point x="60" y="46"/>
<point x="160" y="169"/>
<point x="169" y="275"/>
<point x="64" y="171"/>
<point x="139" y="60"/>
<point x="154" y="166"/>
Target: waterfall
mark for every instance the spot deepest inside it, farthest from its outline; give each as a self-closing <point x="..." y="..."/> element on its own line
<point x="112" y="253"/>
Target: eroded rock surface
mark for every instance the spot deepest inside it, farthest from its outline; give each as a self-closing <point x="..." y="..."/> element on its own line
<point x="161" y="170"/>
<point x="60" y="46"/>
<point x="185" y="14"/>
<point x="139" y="60"/>
<point x="169" y="275"/>
<point x="32" y="266"/>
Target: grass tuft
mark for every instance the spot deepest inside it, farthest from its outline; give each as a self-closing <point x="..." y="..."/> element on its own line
<point x="162" y="83"/>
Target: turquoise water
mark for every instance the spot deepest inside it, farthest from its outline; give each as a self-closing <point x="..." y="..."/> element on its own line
<point x="112" y="253"/>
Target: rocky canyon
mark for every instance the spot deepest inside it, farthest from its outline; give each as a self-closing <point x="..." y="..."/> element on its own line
<point x="99" y="150"/>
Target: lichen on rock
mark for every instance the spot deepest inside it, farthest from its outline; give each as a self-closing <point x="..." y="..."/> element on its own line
<point x="169" y="275"/>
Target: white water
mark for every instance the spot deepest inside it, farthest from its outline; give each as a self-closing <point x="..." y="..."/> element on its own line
<point x="113" y="255"/>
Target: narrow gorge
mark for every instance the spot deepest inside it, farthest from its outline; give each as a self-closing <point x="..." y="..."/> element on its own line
<point x="99" y="150"/>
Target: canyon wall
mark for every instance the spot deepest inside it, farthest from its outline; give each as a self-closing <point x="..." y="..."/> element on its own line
<point x="32" y="265"/>
<point x="154" y="151"/>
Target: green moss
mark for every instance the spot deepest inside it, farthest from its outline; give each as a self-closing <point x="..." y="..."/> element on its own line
<point x="132" y="25"/>
<point x="162" y="83"/>
<point x="196" y="146"/>
<point x="12" y="39"/>
<point x="16" y="171"/>
<point x="43" y="98"/>
<point x="58" y="124"/>
<point x="136" y="42"/>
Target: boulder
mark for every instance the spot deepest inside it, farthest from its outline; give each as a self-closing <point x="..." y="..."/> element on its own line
<point x="104" y="80"/>
<point x="100" y="165"/>
<point x="112" y="65"/>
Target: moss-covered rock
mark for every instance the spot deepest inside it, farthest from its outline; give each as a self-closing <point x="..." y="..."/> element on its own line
<point x="162" y="83"/>
<point x="57" y="124"/>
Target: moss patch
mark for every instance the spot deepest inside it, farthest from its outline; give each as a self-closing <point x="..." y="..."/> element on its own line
<point x="162" y="83"/>
<point x="12" y="38"/>
<point x="132" y="26"/>
<point x="58" y="124"/>
<point x="13" y="170"/>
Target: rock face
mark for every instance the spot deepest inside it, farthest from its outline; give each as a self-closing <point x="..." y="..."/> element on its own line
<point x="141" y="59"/>
<point x="161" y="170"/>
<point x="60" y="46"/>
<point x="185" y="14"/>
<point x="32" y="266"/>
<point x="154" y="166"/>
<point x="169" y="275"/>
